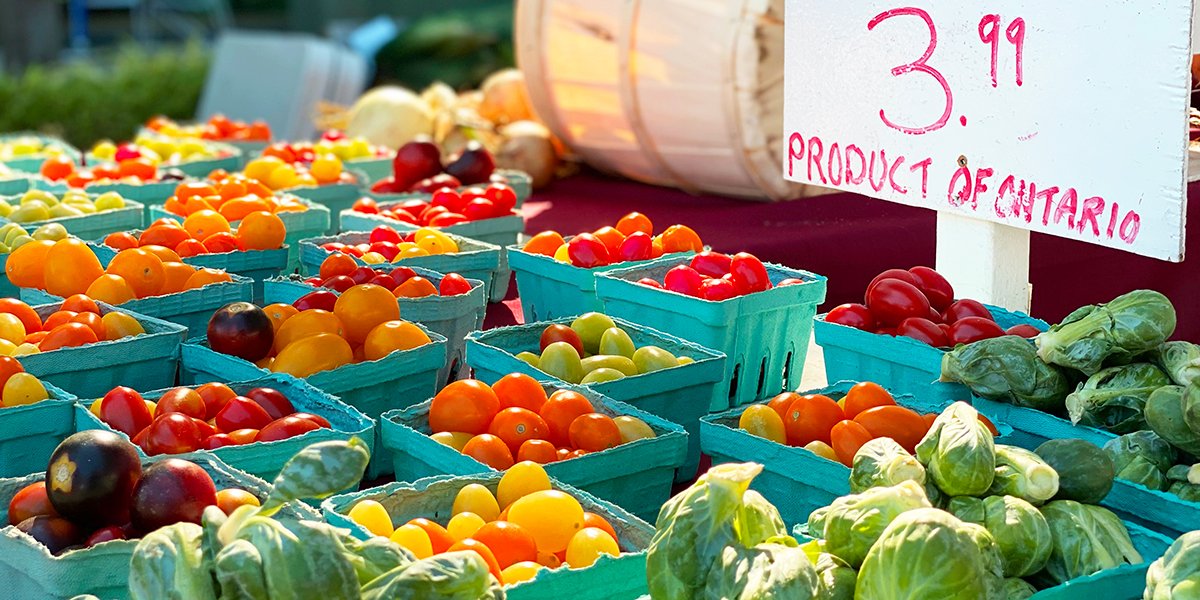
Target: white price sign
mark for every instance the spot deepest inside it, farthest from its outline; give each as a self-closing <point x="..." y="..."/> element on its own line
<point x="1068" y="118"/>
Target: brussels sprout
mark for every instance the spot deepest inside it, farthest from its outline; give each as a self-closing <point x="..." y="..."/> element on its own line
<point x="170" y="563"/>
<point x="854" y="522"/>
<point x="765" y="571"/>
<point x="1191" y="405"/>
<point x="835" y="579"/>
<point x="1125" y="327"/>
<point x="927" y="553"/>
<point x="882" y="462"/>
<point x="1146" y="444"/>
<point x="1165" y="415"/>
<point x="1007" y="369"/>
<point x="959" y="452"/>
<point x="239" y="571"/>
<point x="1181" y="360"/>
<point x="1185" y="491"/>
<point x="460" y="575"/>
<point x="1085" y="472"/>
<point x="758" y="520"/>
<point x="1017" y="589"/>
<point x="1023" y="474"/>
<point x="968" y="509"/>
<point x="318" y="471"/>
<point x="816" y="521"/>
<point x="1021" y="533"/>
<point x="1176" y="575"/>
<point x="1143" y="472"/>
<point x="1087" y="539"/>
<point x="1115" y="398"/>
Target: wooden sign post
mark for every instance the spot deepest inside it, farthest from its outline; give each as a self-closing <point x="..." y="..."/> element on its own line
<point x="1067" y="118"/>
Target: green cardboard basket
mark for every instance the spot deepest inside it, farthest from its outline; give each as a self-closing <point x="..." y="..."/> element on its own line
<point x="765" y="334"/>
<point x="30" y="433"/>
<point x="89" y="227"/>
<point x="30" y="572"/>
<point x="15" y="186"/>
<point x="474" y="259"/>
<point x="189" y="308"/>
<point x="636" y="476"/>
<point x="265" y="459"/>
<point x="898" y="363"/>
<point x="32" y="163"/>
<point x="334" y="196"/>
<point x="622" y="576"/>
<point x="7" y="289"/>
<point x="680" y="395"/>
<point x="375" y="168"/>
<point x="451" y="316"/>
<point x="147" y="361"/>
<point x="373" y="387"/>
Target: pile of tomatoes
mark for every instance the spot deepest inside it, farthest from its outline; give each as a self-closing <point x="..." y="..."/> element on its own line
<point x="919" y="303"/>
<point x="77" y="322"/>
<point x="447" y="206"/>
<point x="206" y="232"/>
<point x="388" y="245"/>
<point x="208" y="417"/>
<point x="514" y="420"/>
<point x="129" y="170"/>
<point x="339" y="272"/>
<point x="232" y="196"/>
<point x="715" y="276"/>
<point x="524" y="527"/>
<point x="631" y="239"/>
<point x="218" y="128"/>
<point x="837" y="429"/>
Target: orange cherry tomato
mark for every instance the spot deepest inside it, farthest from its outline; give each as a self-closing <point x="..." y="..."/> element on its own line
<point x="848" y="437"/>
<point x="611" y="238"/>
<point x="188" y="248"/>
<point x="510" y="542"/>
<point x="363" y="307"/>
<point x="68" y="335"/>
<point x="591" y="519"/>
<point x="121" y="240"/>
<point x="538" y="451"/>
<point x="93" y="321"/>
<point x="986" y="423"/>
<point x="175" y="276"/>
<point x="162" y="252"/>
<point x="337" y="264"/>
<point x="26" y="266"/>
<point x="466" y="405"/>
<point x="811" y="418"/>
<point x="929" y="419"/>
<point x="29" y="317"/>
<point x="635" y="222"/>
<point x="70" y="267"/>
<point x="681" y="238"/>
<point x="516" y="426"/>
<point x="781" y="403"/>
<point x="544" y="243"/>
<point x="58" y="317"/>
<point x="863" y="396"/>
<point x="439" y="538"/>
<point x="261" y="230"/>
<point x="521" y="391"/>
<point x="278" y="313"/>
<point x="80" y="304"/>
<point x="57" y="167"/>
<point x="9" y="366"/>
<point x="489" y="450"/>
<point x="194" y="189"/>
<point x="904" y="426"/>
<point x="140" y="168"/>
<point x="482" y="550"/>
<point x="218" y="243"/>
<point x="560" y="410"/>
<point x="415" y="287"/>
<point x="142" y="270"/>
<point x="594" y="432"/>
<point x="163" y="235"/>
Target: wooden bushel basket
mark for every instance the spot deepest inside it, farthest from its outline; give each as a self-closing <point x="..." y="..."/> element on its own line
<point x="681" y="93"/>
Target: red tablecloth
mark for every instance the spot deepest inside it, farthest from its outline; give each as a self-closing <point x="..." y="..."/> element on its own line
<point x="851" y="238"/>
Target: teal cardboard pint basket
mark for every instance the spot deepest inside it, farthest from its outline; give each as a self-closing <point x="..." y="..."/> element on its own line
<point x="14" y="186"/>
<point x="432" y="498"/>
<point x="337" y="197"/>
<point x="26" y="151"/>
<point x="679" y="394"/>
<point x="30" y="433"/>
<point x="636" y="476"/>
<point x="765" y="335"/>
<point x="373" y="387"/>
<point x="189" y="308"/>
<point x="474" y="259"/>
<point x="452" y="316"/>
<point x="899" y="363"/>
<point x="147" y="361"/>
<point x="30" y="572"/>
<point x="90" y="226"/>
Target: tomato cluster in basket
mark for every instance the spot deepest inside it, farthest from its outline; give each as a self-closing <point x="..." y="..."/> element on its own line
<point x="388" y="245"/>
<point x="514" y="420"/>
<point x="208" y="417"/>
<point x="715" y="276"/>
<point x="919" y="303"/>
<point x="525" y="527"/>
<point x="339" y="272"/>
<point x="418" y="167"/>
<point x="837" y="429"/>
<point x="447" y="206"/>
<point x="217" y="128"/>
<point x="77" y="322"/>
<point x="631" y="239"/>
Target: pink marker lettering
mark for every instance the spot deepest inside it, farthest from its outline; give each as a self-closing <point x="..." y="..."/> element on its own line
<point x="862" y="166"/>
<point x="924" y="166"/>
<point x="814" y="157"/>
<point x="882" y="172"/>
<point x="1092" y="208"/>
<point x="833" y="151"/>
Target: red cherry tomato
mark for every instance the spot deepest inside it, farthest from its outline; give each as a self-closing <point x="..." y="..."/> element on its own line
<point x="1023" y="330"/>
<point x="204" y="428"/>
<point x="479" y="209"/>
<point x="273" y="401"/>
<point x="339" y="283"/>
<point x="241" y="413"/>
<point x="447" y="219"/>
<point x="966" y="308"/>
<point x="972" y="329"/>
<point x="318" y="419"/>
<point x="453" y="284"/>
<point x="219" y="440"/>
<point x="934" y="286"/>
<point x="287" y="427"/>
<point x="892" y="301"/>
<point x="717" y="290"/>
<point x="366" y="205"/>
<point x="713" y="264"/>
<point x="402" y="274"/>
<point x="502" y="196"/>
<point x="923" y="330"/>
<point x="587" y="251"/>
<point x="749" y="274"/>
<point x="448" y="199"/>
<point x="900" y="274"/>
<point x="387" y="249"/>
<point x="638" y="246"/>
<point x="321" y="299"/>
<point x="852" y="315"/>
<point x="383" y="280"/>
<point x="383" y="233"/>
<point x="934" y="315"/>
<point x="125" y="410"/>
<point x="650" y="282"/>
<point x="173" y="433"/>
<point x="684" y="280"/>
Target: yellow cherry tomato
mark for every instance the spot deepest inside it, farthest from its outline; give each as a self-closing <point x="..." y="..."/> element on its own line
<point x="589" y="545"/>
<point x="414" y="539"/>
<point x="464" y="525"/>
<point x="373" y="517"/>
<point x="520" y="480"/>
<point x="763" y="421"/>
<point x="550" y="516"/>
<point x="474" y="498"/>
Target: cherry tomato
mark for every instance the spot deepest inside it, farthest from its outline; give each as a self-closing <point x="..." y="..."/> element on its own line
<point x="287" y="427"/>
<point x="502" y="196"/>
<point x="897" y="422"/>
<point x="386" y="249"/>
<point x="717" y="290"/>
<point x="322" y="299"/>
<point x="811" y="418"/>
<point x="243" y="436"/>
<point x="453" y="284"/>
<point x="934" y="286"/>
<point x="966" y="308"/>
<point x="362" y="275"/>
<point x="125" y="410"/>
<point x="31" y="501"/>
<point x="206" y="429"/>
<point x="215" y="395"/>
<point x="650" y="282"/>
<point x="749" y="274"/>
<point x="1024" y="330"/>
<point x="934" y="316"/>
<point x="892" y="301"/>
<point x="402" y="274"/>
<point x="900" y="274"/>
<point x="863" y="396"/>
<point x="219" y="440"/>
<point x="447" y="219"/>
<point x="241" y="413"/>
<point x="366" y="205"/>
<point x="273" y="401"/>
<point x="988" y="423"/>
<point x="318" y="419"/>
<point x="172" y="433"/>
<point x="638" y="246"/>
<point x="852" y="315"/>
<point x="561" y="333"/>
<point x="587" y="251"/>
<point x="182" y="400"/>
<point x="781" y="403"/>
<point x="847" y="437"/>
<point x="684" y="280"/>
<point x="713" y="264"/>
<point x="105" y="534"/>
<point x="972" y="329"/>
<point x="383" y="233"/>
<point x="445" y="197"/>
<point x="923" y="330"/>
